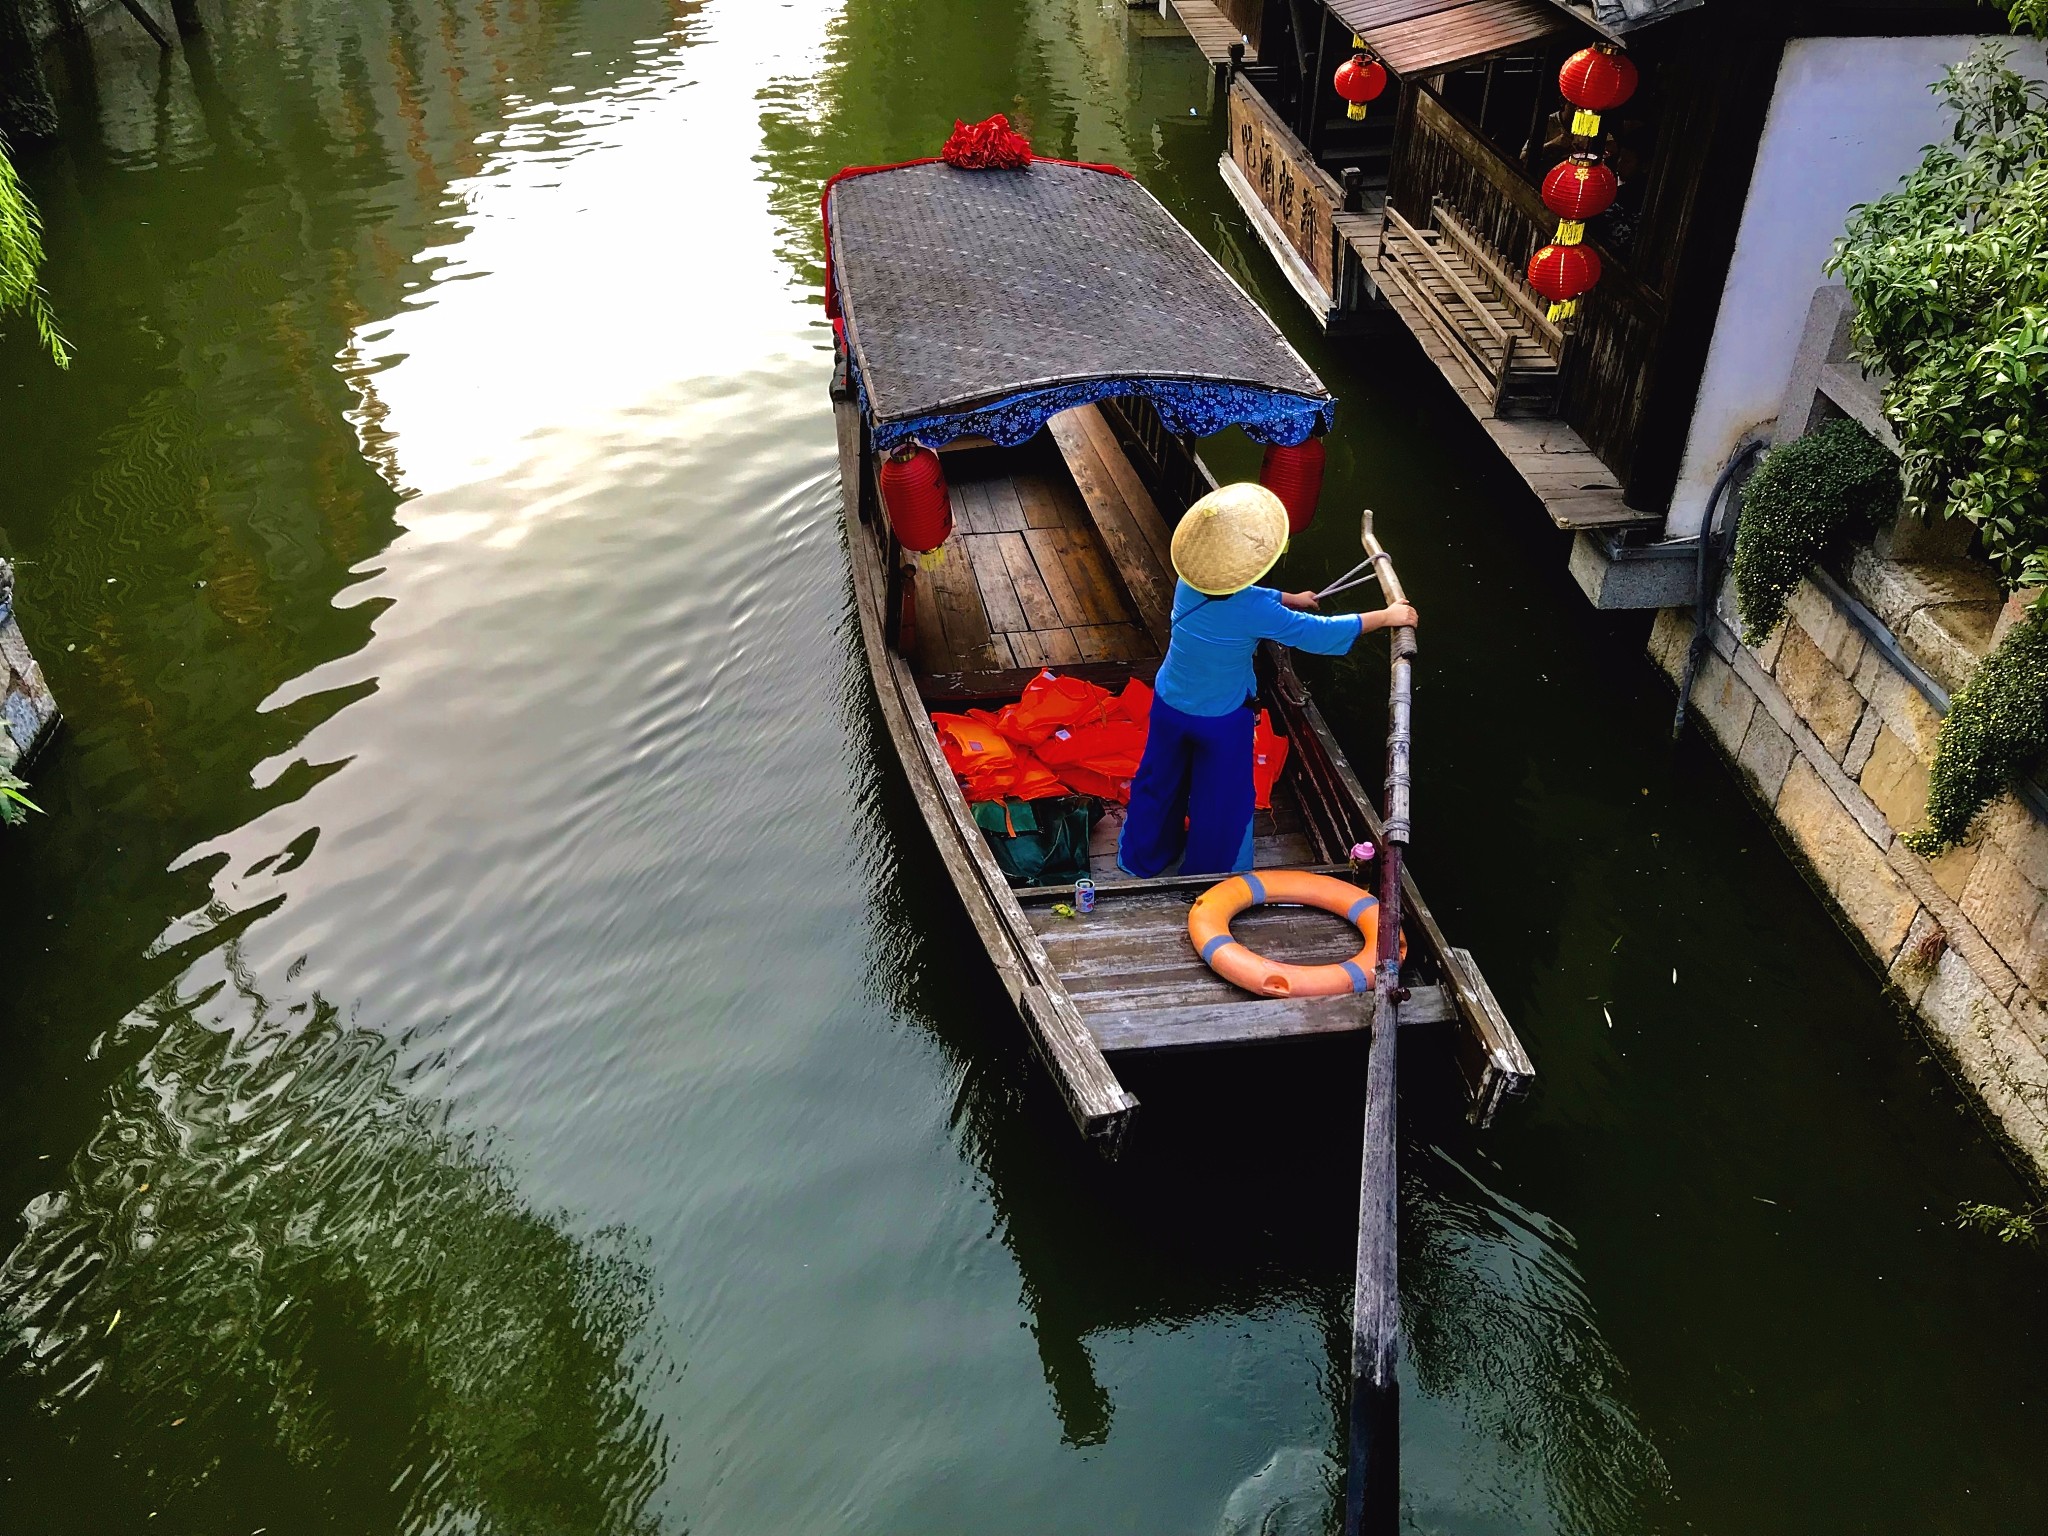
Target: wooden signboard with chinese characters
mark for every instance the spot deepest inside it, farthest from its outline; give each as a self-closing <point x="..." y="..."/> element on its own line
<point x="1301" y="196"/>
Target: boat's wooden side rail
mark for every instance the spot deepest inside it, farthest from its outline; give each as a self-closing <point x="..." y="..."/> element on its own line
<point x="1100" y="1106"/>
<point x="1339" y="813"/>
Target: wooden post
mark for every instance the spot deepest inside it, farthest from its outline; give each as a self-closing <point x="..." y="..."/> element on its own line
<point x="1372" y="1483"/>
<point x="149" y="23"/>
<point x="1310" y="125"/>
<point x="1321" y="90"/>
<point x="899" y="599"/>
<point x="27" y="110"/>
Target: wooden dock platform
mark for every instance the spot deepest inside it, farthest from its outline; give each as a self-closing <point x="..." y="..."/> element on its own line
<point x="1212" y="31"/>
<point x="1576" y="489"/>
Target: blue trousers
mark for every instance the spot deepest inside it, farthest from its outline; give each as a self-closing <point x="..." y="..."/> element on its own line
<point x="1192" y="797"/>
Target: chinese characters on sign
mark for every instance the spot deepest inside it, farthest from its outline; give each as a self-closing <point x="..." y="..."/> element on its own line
<point x="1299" y="196"/>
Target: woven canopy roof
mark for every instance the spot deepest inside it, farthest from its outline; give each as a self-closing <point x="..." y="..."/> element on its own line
<point x="984" y="301"/>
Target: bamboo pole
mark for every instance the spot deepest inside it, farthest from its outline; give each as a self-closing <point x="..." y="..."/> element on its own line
<point x="1372" y="1484"/>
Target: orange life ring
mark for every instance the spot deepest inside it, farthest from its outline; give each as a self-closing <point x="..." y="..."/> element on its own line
<point x="1209" y="929"/>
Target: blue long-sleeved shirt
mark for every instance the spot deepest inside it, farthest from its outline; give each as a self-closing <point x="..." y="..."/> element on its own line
<point x="1208" y="666"/>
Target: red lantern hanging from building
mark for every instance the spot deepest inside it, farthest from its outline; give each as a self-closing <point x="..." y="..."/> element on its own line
<point x="1576" y="190"/>
<point x="1595" y="80"/>
<point x="1561" y="273"/>
<point x="1360" y="80"/>
<point x="914" y="495"/>
<point x="1294" y="473"/>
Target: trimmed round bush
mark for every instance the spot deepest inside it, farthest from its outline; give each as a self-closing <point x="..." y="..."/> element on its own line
<point x="1806" y="496"/>
<point x="1995" y="728"/>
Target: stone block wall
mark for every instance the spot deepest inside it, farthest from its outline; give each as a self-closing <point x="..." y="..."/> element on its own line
<point x="1835" y="739"/>
<point x="27" y="712"/>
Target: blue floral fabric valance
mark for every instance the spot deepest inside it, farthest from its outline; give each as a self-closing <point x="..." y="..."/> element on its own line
<point x="1187" y="409"/>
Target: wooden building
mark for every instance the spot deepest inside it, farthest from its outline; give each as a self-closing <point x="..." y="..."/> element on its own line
<point x="1430" y="208"/>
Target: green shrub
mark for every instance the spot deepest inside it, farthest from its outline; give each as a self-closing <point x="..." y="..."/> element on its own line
<point x="1950" y="278"/>
<point x="2007" y="1226"/>
<point x="1835" y="482"/>
<point x="1994" y="730"/>
<point x="14" y="801"/>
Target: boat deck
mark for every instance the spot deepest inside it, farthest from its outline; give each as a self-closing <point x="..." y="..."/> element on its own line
<point x="1140" y="986"/>
<point x="1055" y="558"/>
<point x="1059" y="557"/>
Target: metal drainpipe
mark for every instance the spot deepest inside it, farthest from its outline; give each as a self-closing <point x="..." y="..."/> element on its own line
<point x="1715" y="542"/>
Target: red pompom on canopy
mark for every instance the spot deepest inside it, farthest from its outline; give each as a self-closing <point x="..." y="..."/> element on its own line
<point x="1561" y="273"/>
<point x="1294" y="473"/>
<point x="1360" y="80"/>
<point x="1579" y="189"/>
<point x="914" y="495"/>
<point x="987" y="146"/>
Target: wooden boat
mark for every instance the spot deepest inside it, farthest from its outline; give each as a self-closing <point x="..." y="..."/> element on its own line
<point x="1062" y="341"/>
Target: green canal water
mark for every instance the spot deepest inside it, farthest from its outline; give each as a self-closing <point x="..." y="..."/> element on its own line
<point x="486" y="1046"/>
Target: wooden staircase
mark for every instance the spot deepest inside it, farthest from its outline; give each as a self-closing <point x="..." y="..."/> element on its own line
<point x="1494" y="325"/>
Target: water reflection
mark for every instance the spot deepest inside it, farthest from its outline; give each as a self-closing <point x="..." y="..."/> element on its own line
<point x="1080" y="78"/>
<point x="270" y="1255"/>
<point x="1534" y="1426"/>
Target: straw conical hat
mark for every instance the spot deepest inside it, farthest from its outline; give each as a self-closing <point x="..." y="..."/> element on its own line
<point x="1229" y="539"/>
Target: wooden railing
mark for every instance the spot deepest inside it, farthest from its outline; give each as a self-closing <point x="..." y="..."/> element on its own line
<point x="1604" y="361"/>
<point x="1491" y="364"/>
<point x="1513" y="288"/>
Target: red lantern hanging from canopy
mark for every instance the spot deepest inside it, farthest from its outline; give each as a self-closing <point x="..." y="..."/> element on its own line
<point x="1576" y="190"/>
<point x="1595" y="80"/>
<point x="914" y="495"/>
<point x="1360" y="80"/>
<point x="1561" y="273"/>
<point x="1294" y="473"/>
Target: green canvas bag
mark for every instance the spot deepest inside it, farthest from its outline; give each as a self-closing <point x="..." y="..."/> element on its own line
<point x="1038" y="842"/>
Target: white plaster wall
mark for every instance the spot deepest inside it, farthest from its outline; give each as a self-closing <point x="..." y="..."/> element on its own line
<point x="1849" y="118"/>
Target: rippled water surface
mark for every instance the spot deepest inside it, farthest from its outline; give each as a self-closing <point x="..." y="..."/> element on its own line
<point x="486" y="1045"/>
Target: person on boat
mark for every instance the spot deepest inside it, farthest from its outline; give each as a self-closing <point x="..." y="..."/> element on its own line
<point x="1192" y="798"/>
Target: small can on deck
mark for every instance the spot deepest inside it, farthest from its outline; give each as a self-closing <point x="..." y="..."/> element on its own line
<point x="1084" y="896"/>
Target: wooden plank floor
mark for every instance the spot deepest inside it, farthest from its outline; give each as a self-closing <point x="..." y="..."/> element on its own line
<point x="1212" y="31"/>
<point x="1125" y="518"/>
<point x="1278" y="839"/>
<point x="1139" y="984"/>
<point x="1026" y="580"/>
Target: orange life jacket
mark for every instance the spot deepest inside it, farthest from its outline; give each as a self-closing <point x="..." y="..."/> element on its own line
<point x="1068" y="735"/>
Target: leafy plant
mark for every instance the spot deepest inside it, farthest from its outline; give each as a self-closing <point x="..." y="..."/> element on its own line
<point x="21" y="257"/>
<point x="2028" y="16"/>
<point x="1996" y="726"/>
<point x="1996" y="1221"/>
<point x="1807" y="494"/>
<point x="14" y="804"/>
<point x="1950" y="278"/>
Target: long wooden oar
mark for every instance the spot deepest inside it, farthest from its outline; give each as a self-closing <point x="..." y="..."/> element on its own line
<point x="1372" y="1484"/>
